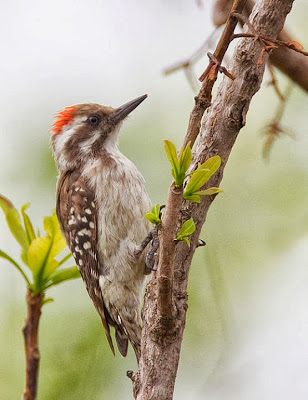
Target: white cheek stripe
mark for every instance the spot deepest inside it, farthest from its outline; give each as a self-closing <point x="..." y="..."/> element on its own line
<point x="62" y="138"/>
<point x="67" y="132"/>
<point x="111" y="142"/>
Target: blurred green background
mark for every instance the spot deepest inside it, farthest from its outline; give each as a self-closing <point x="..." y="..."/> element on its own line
<point x="247" y="323"/>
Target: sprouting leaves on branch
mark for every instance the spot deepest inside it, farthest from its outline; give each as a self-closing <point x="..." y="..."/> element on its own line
<point x="198" y="178"/>
<point x="179" y="164"/>
<point x="37" y="252"/>
<point x="187" y="229"/>
<point x="154" y="215"/>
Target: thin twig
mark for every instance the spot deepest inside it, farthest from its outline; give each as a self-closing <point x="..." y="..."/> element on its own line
<point x="292" y="45"/>
<point x="204" y="98"/>
<point x="282" y="58"/>
<point x="273" y="81"/>
<point x="290" y="63"/>
<point x="275" y="129"/>
<point x="218" y="67"/>
<point x="30" y="333"/>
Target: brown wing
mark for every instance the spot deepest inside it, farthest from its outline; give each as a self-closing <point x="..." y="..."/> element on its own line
<point x="77" y="216"/>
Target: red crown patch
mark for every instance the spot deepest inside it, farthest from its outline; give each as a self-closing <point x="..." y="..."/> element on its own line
<point x="63" y="118"/>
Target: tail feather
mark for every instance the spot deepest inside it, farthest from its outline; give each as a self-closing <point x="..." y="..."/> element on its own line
<point x="122" y="342"/>
<point x="137" y="349"/>
<point x="107" y="328"/>
<point x="127" y="331"/>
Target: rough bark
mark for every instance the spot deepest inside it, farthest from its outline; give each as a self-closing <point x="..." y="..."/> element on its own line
<point x="209" y="76"/>
<point x="292" y="64"/>
<point x="161" y="341"/>
<point x="30" y="332"/>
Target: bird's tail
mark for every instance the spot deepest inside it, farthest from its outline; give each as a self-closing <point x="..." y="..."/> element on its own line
<point x="122" y="343"/>
<point x="127" y="331"/>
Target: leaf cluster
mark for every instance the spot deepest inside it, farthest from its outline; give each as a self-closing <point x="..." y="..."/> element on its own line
<point x="199" y="177"/>
<point x="154" y="215"/>
<point x="179" y="164"/>
<point x="37" y="252"/>
<point x="187" y="229"/>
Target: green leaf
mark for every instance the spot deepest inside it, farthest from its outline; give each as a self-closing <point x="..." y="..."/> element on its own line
<point x="5" y="204"/>
<point x="197" y="180"/>
<point x="179" y="165"/>
<point x="16" y="265"/>
<point x="187" y="229"/>
<point x="202" y="174"/>
<point x="61" y="275"/>
<point x="173" y="159"/>
<point x="194" y="198"/>
<point x="42" y="251"/>
<point x="48" y="300"/>
<point x="156" y="210"/>
<point x="212" y="164"/>
<point x="38" y="253"/>
<point x="154" y="215"/>
<point x="185" y="159"/>
<point x="172" y="156"/>
<point x="152" y="218"/>
<point x="58" y="243"/>
<point x="196" y="170"/>
<point x="14" y="223"/>
<point x="208" y="192"/>
<point x="69" y="255"/>
<point x="27" y="223"/>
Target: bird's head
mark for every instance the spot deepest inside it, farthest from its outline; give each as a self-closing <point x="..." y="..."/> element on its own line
<point x="84" y="131"/>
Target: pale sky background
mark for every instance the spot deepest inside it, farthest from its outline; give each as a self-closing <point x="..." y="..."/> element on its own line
<point x="54" y="54"/>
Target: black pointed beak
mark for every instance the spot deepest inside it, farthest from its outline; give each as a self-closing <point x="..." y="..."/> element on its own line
<point x="123" y="111"/>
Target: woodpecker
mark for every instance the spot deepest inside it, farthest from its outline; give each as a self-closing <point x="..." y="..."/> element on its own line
<point x="101" y="201"/>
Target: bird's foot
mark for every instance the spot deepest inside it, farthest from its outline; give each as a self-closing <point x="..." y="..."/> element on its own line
<point x="151" y="257"/>
<point x="152" y="253"/>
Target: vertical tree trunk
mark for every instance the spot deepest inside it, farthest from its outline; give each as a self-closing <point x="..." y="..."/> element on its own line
<point x="161" y="336"/>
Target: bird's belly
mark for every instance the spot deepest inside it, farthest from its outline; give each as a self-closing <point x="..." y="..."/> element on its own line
<point x="122" y="228"/>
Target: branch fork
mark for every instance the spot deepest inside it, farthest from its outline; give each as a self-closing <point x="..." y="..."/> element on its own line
<point x="213" y="68"/>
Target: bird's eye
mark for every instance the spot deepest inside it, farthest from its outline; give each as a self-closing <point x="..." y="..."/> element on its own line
<point x="94" y="120"/>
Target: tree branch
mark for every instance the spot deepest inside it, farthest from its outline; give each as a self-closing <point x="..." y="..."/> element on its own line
<point x="204" y="98"/>
<point x="160" y="347"/>
<point x="292" y="64"/>
<point x="166" y="253"/>
<point x="30" y="332"/>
